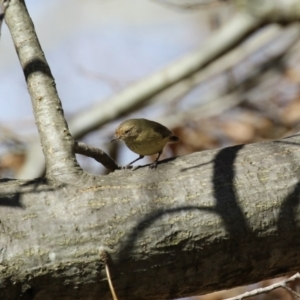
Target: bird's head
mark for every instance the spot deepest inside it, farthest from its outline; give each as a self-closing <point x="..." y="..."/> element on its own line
<point x="127" y="130"/>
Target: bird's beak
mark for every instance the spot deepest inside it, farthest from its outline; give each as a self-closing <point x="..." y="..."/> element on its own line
<point x="115" y="138"/>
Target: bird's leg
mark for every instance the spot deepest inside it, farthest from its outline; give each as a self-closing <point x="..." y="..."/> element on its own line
<point x="154" y="164"/>
<point x="128" y="165"/>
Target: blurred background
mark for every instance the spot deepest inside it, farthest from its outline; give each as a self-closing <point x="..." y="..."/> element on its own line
<point x="98" y="48"/>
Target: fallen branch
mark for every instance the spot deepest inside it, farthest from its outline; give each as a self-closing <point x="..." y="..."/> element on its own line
<point x="267" y="289"/>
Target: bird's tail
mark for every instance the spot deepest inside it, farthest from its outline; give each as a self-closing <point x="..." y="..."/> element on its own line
<point x="174" y="139"/>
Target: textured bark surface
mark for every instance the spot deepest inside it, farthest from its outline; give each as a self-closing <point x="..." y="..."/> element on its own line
<point x="56" y="140"/>
<point x="199" y="223"/>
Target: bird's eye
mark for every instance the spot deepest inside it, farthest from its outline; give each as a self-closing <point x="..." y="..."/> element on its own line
<point x="127" y="131"/>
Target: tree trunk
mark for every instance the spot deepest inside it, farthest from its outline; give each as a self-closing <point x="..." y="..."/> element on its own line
<point x="204" y="222"/>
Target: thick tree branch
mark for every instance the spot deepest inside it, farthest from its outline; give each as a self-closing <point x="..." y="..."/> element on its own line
<point x="272" y="10"/>
<point x="164" y="241"/>
<point x="56" y="140"/>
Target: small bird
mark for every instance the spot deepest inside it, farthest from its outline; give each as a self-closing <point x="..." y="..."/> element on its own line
<point x="144" y="137"/>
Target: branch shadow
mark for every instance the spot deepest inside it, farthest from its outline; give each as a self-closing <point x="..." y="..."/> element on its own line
<point x="287" y="218"/>
<point x="13" y="200"/>
<point x="160" y="162"/>
<point x="196" y="166"/>
<point x="287" y="214"/>
<point x="224" y="192"/>
<point x="13" y="196"/>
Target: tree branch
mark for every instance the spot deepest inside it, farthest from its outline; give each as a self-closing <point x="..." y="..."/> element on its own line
<point x="57" y="143"/>
<point x="193" y="4"/>
<point x="208" y="235"/>
<point x="267" y="289"/>
<point x="96" y="153"/>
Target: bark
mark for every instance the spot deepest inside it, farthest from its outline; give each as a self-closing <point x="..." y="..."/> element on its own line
<point x="207" y="221"/>
<point x="56" y="140"/>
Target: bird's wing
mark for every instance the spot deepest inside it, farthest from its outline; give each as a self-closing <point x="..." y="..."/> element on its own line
<point x="162" y="130"/>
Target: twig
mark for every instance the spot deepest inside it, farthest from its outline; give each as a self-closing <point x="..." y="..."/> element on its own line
<point x="291" y="291"/>
<point x="189" y="4"/>
<point x="104" y="258"/>
<point x="113" y="83"/>
<point x="281" y="284"/>
<point x="96" y="153"/>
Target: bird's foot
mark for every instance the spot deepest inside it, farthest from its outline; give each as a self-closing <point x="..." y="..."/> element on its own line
<point x="153" y="165"/>
<point x="136" y="167"/>
<point x="126" y="167"/>
<point x="133" y="168"/>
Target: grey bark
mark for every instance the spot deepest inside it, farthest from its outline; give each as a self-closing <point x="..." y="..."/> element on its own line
<point x="56" y="140"/>
<point x="199" y="223"/>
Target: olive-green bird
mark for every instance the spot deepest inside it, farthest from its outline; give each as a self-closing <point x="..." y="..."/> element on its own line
<point x="144" y="137"/>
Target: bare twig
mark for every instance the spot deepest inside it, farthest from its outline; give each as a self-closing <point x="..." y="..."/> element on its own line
<point x="104" y="258"/>
<point x="291" y="291"/>
<point x="281" y="284"/>
<point x="189" y="4"/>
<point x="223" y="99"/>
<point x="96" y="153"/>
<point x="114" y="84"/>
<point x="227" y="62"/>
<point x="213" y="107"/>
